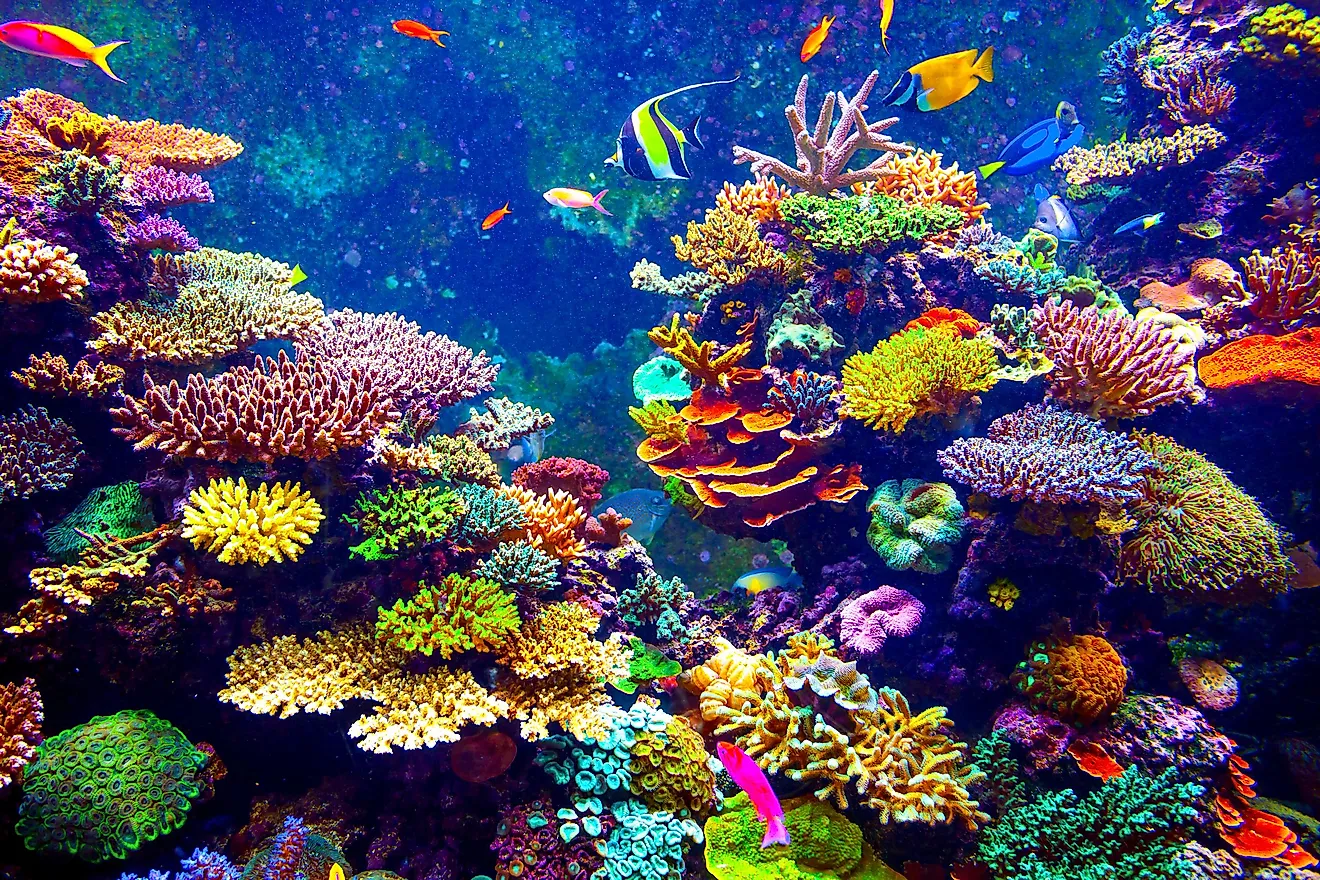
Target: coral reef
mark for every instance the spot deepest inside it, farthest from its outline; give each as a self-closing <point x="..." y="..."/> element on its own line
<point x="236" y="525"/>
<point x="461" y="614"/>
<point x="20" y="729"/>
<point x="1294" y="357"/>
<point x="38" y="453"/>
<point x="915" y="525"/>
<point x="1077" y="678"/>
<point x="1126" y="159"/>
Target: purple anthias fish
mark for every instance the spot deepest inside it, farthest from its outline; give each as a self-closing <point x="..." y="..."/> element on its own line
<point x="751" y="779"/>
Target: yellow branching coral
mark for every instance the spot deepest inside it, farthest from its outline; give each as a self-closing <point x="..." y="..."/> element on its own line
<point x="238" y="525"/>
<point x="914" y="373"/>
<point x="553" y="521"/>
<point x="758" y="199"/>
<point x="1122" y="160"/>
<point x="559" y="636"/>
<point x="728" y="247"/>
<point x="32" y="271"/>
<point x="696" y="358"/>
<point x="659" y="419"/>
<point x="50" y="374"/>
<point x="1284" y="37"/>
<point x="419" y="710"/>
<point x="103" y="566"/>
<point x="921" y="178"/>
<point x="450" y="459"/>
<point x="83" y="131"/>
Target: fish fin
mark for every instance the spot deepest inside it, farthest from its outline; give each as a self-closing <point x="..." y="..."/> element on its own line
<point x="884" y="41"/>
<point x="828" y="21"/>
<point x="922" y="103"/>
<point x="982" y="66"/>
<point x="701" y="85"/>
<point x="989" y="168"/>
<point x="595" y="203"/>
<point x="692" y="136"/>
<point x="1040" y="193"/>
<point x="98" y="57"/>
<point x="775" y="832"/>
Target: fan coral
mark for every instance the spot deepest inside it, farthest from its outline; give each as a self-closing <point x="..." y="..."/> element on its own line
<point x="867" y="622"/>
<point x="148" y="773"/>
<point x="856" y="224"/>
<point x="1284" y="286"/>
<point x="728" y="247"/>
<point x="155" y="232"/>
<point x="35" y="272"/>
<point x="117" y="511"/>
<point x="581" y="479"/>
<point x="504" y="423"/>
<point x="1078" y="679"/>
<point x="1263" y="358"/>
<point x="462" y="614"/>
<point x="37" y="453"/>
<point x="1045" y="454"/>
<point x="21" y="715"/>
<point x="50" y="374"/>
<point x="1211" y="685"/>
<point x="915" y="525"/>
<point x="236" y="525"/>
<point x="922" y="179"/>
<point x="520" y="567"/>
<point x="1112" y="365"/>
<point x="1125" y="160"/>
<point x="397" y="520"/>
<point x="273" y="409"/>
<point x="823" y="156"/>
<point x="1198" y="535"/>
<point x="916" y="373"/>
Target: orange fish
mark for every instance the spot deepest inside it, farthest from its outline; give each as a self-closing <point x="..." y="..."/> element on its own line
<point x="811" y="45"/>
<point x="62" y="44"/>
<point x="410" y="28"/>
<point x="495" y="217"/>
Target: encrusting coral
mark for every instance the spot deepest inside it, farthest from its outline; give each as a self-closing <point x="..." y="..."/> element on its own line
<point x="270" y="523"/>
<point x="1294" y="357"/>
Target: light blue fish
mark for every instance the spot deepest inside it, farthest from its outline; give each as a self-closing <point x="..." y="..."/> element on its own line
<point x="759" y="579"/>
<point x="529" y="449"/>
<point x="1142" y="224"/>
<point x="647" y="508"/>
<point x="1053" y="216"/>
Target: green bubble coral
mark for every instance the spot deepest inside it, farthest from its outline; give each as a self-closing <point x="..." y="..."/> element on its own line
<point x="463" y="614"/>
<point x="521" y="567"/>
<point x="854" y="224"/>
<point x="117" y="511"/>
<point x="915" y="525"/>
<point x="397" y="520"/>
<point x="102" y="789"/>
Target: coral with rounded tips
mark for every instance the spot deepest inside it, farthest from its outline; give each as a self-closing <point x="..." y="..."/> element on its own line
<point x="504" y="423"/>
<point x="528" y="846"/>
<point x="236" y="525"/>
<point x="1294" y="357"/>
<point x="1284" y="285"/>
<point x="860" y="224"/>
<point x="32" y="271"/>
<point x="82" y="131"/>
<point x="914" y="525"/>
<point x="1285" y="38"/>
<point x="1124" y="160"/>
<point x="758" y="198"/>
<point x="728" y="247"/>
<point x="159" y="188"/>
<point x="452" y="459"/>
<point x="867" y="622"/>
<point x="421" y="710"/>
<point x="38" y="453"/>
<point x="21" y="715"/>
<point x="670" y="770"/>
<point x="1003" y="593"/>
<point x="397" y="520"/>
<point x="462" y="614"/>
<point x="1078" y="679"/>
<point x="155" y="232"/>
<point x="1211" y="685"/>
<point x="581" y="479"/>
<point x="50" y="374"/>
<point x="81" y="184"/>
<point x="553" y="521"/>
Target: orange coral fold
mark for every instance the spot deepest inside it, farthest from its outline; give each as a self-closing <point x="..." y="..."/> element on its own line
<point x="1291" y="358"/>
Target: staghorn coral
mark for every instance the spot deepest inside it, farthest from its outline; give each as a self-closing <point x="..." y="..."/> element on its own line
<point x="1198" y="536"/>
<point x="32" y="271"/>
<point x="462" y="614"/>
<point x="38" y="453"/>
<point x="1284" y="286"/>
<point x="921" y="178"/>
<point x="728" y="247"/>
<point x="155" y="232"/>
<point x="916" y="373"/>
<point x="50" y="374"/>
<point x="450" y="459"/>
<point x="867" y="622"/>
<point x="1076" y="678"/>
<point x="397" y="520"/>
<point x="696" y="286"/>
<point x="696" y="358"/>
<point x="21" y="715"/>
<point x="1112" y="365"/>
<point x="504" y="423"/>
<point x="869" y="223"/>
<point x="117" y="511"/>
<point x="1283" y="37"/>
<point x="1125" y="160"/>
<point x="915" y="524"/>
<point x="159" y="188"/>
<point x="823" y="155"/>
<point x="1255" y="359"/>
<point x="80" y="184"/>
<point x="520" y="567"/>
<point x="103" y="566"/>
<point x="273" y="409"/>
<point x="270" y="523"/>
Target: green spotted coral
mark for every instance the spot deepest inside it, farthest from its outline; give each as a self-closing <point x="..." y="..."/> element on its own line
<point x="463" y="614"/>
<point x="102" y="789"/>
<point x="398" y="520"/>
<point x="854" y="224"/>
<point x="915" y="525"/>
<point x="117" y="511"/>
<point x="670" y="771"/>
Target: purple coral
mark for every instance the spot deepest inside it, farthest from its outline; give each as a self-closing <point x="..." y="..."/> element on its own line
<point x="869" y="620"/>
<point x="1041" y="453"/>
<point x="37" y="453"/>
<point x="201" y="865"/>
<point x="1044" y="737"/>
<point x="164" y="188"/>
<point x="155" y="232"/>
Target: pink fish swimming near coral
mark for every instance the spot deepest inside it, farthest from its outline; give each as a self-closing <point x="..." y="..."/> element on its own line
<point x="751" y="779"/>
<point x="567" y="197"/>
<point x="62" y="44"/>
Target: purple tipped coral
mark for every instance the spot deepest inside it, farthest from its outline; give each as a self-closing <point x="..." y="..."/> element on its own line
<point x="868" y="621"/>
<point x="158" y="187"/>
<point x="155" y="232"/>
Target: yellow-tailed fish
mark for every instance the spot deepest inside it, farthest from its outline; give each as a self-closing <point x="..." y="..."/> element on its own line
<point x="811" y="45"/>
<point x="1142" y="224"/>
<point x="886" y="16"/>
<point x="297" y="276"/>
<point x="760" y="579"/>
<point x="650" y="147"/>
<point x="62" y="44"/>
<point x="938" y="82"/>
<point x="336" y="872"/>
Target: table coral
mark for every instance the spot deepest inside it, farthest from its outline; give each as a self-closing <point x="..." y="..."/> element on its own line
<point x="421" y="710"/>
<point x="21" y="715"/>
<point x="397" y="519"/>
<point x="117" y="511"/>
<point x="869" y="223"/>
<point x="1077" y="678"/>
<point x="1284" y="285"/>
<point x="916" y="373"/>
<point x="149" y="773"/>
<point x="1263" y="358"/>
<point x="1198" y="536"/>
<point x="728" y="247"/>
<point x="914" y="525"/>
<point x="504" y="423"/>
<point x="50" y="374"/>
<point x="462" y="614"/>
<point x="38" y="453"/>
<point x="32" y="271"/>
<point x="1125" y="160"/>
<point x="867" y="622"/>
<point x="1041" y="453"/>
<point x="237" y="525"/>
<point x="155" y="232"/>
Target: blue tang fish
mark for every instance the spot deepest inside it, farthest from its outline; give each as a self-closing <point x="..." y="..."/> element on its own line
<point x="1053" y="216"/>
<point x="650" y="147"/>
<point x="759" y="579"/>
<point x="647" y="508"/>
<point x="1039" y="145"/>
<point x="1142" y="224"/>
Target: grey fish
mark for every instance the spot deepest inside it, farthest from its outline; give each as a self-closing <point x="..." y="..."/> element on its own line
<point x="1053" y="216"/>
<point x="647" y="508"/>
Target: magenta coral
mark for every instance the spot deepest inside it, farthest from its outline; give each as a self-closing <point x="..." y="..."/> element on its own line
<point x="410" y="366"/>
<point x="155" y="232"/>
<point x="868" y="621"/>
<point x="158" y="188"/>
<point x="37" y="453"/>
<point x="581" y="479"/>
<point x="21" y="715"/>
<point x="275" y="408"/>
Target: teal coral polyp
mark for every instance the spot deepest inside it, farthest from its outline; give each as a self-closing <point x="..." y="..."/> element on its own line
<point x="914" y="525"/>
<point x="102" y="789"/>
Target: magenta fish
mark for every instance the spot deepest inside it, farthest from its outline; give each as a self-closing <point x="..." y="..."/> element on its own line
<point x="751" y="779"/>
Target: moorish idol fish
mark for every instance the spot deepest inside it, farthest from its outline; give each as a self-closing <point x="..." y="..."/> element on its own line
<point x="1036" y="147"/>
<point x="62" y="44"/>
<point x="938" y="82"/>
<point x="1142" y="224"/>
<point x="1053" y="216"/>
<point x="650" y="147"/>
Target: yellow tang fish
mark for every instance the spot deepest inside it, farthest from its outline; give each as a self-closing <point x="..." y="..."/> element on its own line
<point x="886" y="16"/>
<point x="938" y="82"/>
<point x="336" y="872"/>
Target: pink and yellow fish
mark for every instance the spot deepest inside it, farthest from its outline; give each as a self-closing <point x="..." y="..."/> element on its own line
<point x="567" y="197"/>
<point x="62" y="44"/>
<point x="751" y="779"/>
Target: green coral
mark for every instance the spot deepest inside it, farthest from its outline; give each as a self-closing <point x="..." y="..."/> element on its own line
<point x="670" y="770"/>
<point x="660" y="378"/>
<point x="1012" y="324"/>
<point x="1086" y="289"/>
<point x="520" y="566"/>
<point x="102" y="789"/>
<point x="797" y="326"/>
<point x="117" y="511"/>
<point x="658" y="602"/>
<point x="463" y="614"/>
<point x="914" y="525"/>
<point x="80" y="184"/>
<point x="823" y="845"/>
<point x="681" y="496"/>
<point x="397" y="520"/>
<point x="489" y="515"/>
<point x="1283" y="36"/>
<point x="646" y="665"/>
<point x="854" y="224"/>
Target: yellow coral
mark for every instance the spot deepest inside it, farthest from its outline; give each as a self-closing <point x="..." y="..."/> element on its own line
<point x="696" y="358"/>
<point x="83" y="131"/>
<point x="50" y="374"/>
<point x="1124" y="159"/>
<point x="237" y="525"/>
<point x="915" y="373"/>
<point x="758" y="199"/>
<point x="32" y="271"/>
<point x="450" y="459"/>
<point x="553" y="520"/>
<point x="660" y="420"/>
<point x="728" y="247"/>
<point x="419" y="710"/>
<point x="103" y="566"/>
<point x="1283" y="36"/>
<point x="1003" y="593"/>
<point x="921" y="178"/>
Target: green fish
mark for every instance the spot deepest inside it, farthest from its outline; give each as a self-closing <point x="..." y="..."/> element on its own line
<point x="650" y="147"/>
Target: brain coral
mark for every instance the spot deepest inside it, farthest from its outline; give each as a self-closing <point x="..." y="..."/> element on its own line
<point x="102" y="789"/>
<point x="914" y="525"/>
<point x="238" y="525"/>
<point x="1078" y="679"/>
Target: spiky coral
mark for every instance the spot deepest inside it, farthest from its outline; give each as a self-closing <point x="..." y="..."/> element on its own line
<point x="521" y="567"/>
<point x="451" y="459"/>
<point x="654" y="601"/>
<point x="81" y="184"/>
<point x="1198" y="536"/>
<point x="397" y="520"/>
<point x="1284" y="286"/>
<point x="1076" y="678"/>
<point x="921" y="178"/>
<point x="1124" y="160"/>
<point x="38" y="453"/>
<point x="462" y="614"/>
<point x="915" y="524"/>
<point x="553" y="521"/>
<point x="699" y="359"/>
<point x="237" y="525"/>
<point x="50" y="374"/>
<point x="32" y="271"/>
<point x="916" y="373"/>
<point x="855" y="224"/>
<point x="504" y="423"/>
<point x="728" y="247"/>
<point x="758" y="199"/>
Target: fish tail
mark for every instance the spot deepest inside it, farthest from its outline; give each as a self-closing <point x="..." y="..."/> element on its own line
<point x="989" y="168"/>
<point x="595" y="203"/>
<point x="692" y="136"/>
<point x="775" y="832"/>
<point x="982" y="67"/>
<point x="99" y="54"/>
<point x="884" y="41"/>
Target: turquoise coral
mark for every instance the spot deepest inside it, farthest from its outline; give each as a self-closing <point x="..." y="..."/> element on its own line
<point x="657" y="602"/>
<point x="798" y="327"/>
<point x="117" y="511"/>
<point x="81" y="184"/>
<point x="521" y="567"/>
<point x="854" y="224"/>
<point x="489" y="516"/>
<point x="914" y="525"/>
<point x="646" y="845"/>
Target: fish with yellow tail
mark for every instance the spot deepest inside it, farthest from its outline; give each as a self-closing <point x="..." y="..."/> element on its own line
<point x="650" y="147"/>
<point x="567" y="197"/>
<point x="938" y="82"/>
<point x="1142" y="224"/>
<point x="336" y="872"/>
<point x="811" y="45"/>
<point x="751" y="779"/>
<point x="62" y="44"/>
<point x="886" y="16"/>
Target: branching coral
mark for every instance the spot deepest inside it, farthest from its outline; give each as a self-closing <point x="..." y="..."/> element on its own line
<point x="155" y="232"/>
<point x="581" y="479"/>
<point x="921" y="178"/>
<point x="103" y="566"/>
<point x="699" y="359"/>
<point x="823" y="155"/>
<point x="159" y="188"/>
<point x="1284" y="286"/>
<point x="50" y="374"/>
<point x="856" y="224"/>
<point x="81" y="184"/>
<point x="696" y="286"/>
<point x="1076" y="678"/>
<point x="32" y="271"/>
<point x="21" y="715"/>
<point x="117" y="511"/>
<point x="1199" y="536"/>
<point x="554" y="520"/>
<point x="758" y="199"/>
<point x="1253" y="359"/>
<point x="397" y="520"/>
<point x="237" y="525"/>
<point x="38" y="453"/>
<point x="504" y="423"/>
<point x="728" y="247"/>
<point x="462" y="614"/>
<point x="1124" y="160"/>
<point x="656" y="602"/>
<point x="451" y="459"/>
<point x="488" y="516"/>
<point x="520" y="567"/>
<point x="915" y="524"/>
<point x="916" y="373"/>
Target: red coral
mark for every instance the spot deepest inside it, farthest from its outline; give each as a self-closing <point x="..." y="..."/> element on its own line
<point x="1093" y="760"/>
<point x="1253" y="833"/>
<point x="960" y="320"/>
<point x="581" y="479"/>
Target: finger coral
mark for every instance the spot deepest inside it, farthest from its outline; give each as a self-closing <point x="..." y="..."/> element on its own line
<point x="397" y="520"/>
<point x="869" y="223"/>
<point x="159" y="188"/>
<point x="236" y="525"/>
<point x="504" y="423"/>
<point x="758" y="198"/>
<point x="921" y="178"/>
<point x="21" y="715"/>
<point x="50" y="374"/>
<point x="914" y="525"/>
<point x="1076" y="678"/>
<point x="462" y="614"/>
<point x="1284" y="286"/>
<point x="1263" y="358"/>
<point x="553" y="521"/>
<point x="728" y="247"/>
<point x="1284" y="37"/>
<point x="34" y="272"/>
<point x="1123" y="160"/>
<point x="38" y="453"/>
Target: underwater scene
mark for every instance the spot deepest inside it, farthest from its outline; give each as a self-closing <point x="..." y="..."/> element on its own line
<point x="658" y="439"/>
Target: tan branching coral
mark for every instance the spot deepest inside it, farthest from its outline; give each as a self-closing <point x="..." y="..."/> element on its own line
<point x="700" y="359"/>
<point x="235" y="524"/>
<point x="21" y="715"/>
<point x="1192" y="95"/>
<point x="1120" y="161"/>
<point x="450" y="459"/>
<point x="504" y="423"/>
<point x="82" y="131"/>
<point x="103" y="566"/>
<point x="1284" y="285"/>
<point x="696" y="286"/>
<point x="554" y="521"/>
<point x="728" y="246"/>
<point x="50" y="374"/>
<point x="32" y="271"/>
<point x="921" y="178"/>
<point x="758" y="199"/>
<point x="420" y="710"/>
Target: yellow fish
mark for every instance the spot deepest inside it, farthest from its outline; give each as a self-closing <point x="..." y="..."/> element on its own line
<point x="886" y="16"/>
<point x="336" y="872"/>
<point x="938" y="82"/>
<point x="297" y="276"/>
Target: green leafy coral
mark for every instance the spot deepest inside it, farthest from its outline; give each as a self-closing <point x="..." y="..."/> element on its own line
<point x="854" y="224"/>
<point x="117" y="511"/>
<point x="81" y="184"/>
<point x="102" y="789"/>
<point x="915" y="524"/>
<point x="647" y="664"/>
<point x="398" y="520"/>
<point x="463" y="614"/>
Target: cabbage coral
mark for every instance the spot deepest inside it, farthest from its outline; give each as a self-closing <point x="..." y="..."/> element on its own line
<point x="462" y="614"/>
<point x="914" y="525"/>
<point x="236" y="525"/>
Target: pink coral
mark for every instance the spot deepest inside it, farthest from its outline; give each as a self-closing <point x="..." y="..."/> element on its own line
<point x="158" y="188"/>
<point x="155" y="232"/>
<point x="869" y="620"/>
<point x="21" y="715"/>
<point x="581" y="479"/>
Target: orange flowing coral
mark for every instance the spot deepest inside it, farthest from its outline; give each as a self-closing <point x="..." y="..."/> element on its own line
<point x="921" y="178"/>
<point x="758" y="199"/>
<point x="554" y="521"/>
<point x="1093" y="760"/>
<point x="1254" y="833"/>
<point x="1291" y="358"/>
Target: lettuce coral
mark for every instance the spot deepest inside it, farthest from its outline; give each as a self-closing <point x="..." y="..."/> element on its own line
<point x="1077" y="678"/>
<point x="117" y="511"/>
<point x="462" y="614"/>
<point x="271" y="523"/>
<point x="857" y="224"/>
<point x="915" y="524"/>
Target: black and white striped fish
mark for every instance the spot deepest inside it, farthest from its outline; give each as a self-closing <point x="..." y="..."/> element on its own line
<point x="650" y="147"/>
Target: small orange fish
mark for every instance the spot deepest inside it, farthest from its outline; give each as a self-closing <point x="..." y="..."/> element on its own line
<point x="495" y="217"/>
<point x="811" y="45"/>
<point x="410" y="28"/>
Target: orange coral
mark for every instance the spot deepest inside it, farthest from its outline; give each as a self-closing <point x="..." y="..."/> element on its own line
<point x="22" y="153"/>
<point x="1078" y="679"/>
<point x="50" y="374"/>
<point x="696" y="358"/>
<point x="85" y="132"/>
<point x="758" y="199"/>
<point x="1251" y="832"/>
<point x="957" y="318"/>
<point x="1093" y="760"/>
<point x="32" y="271"/>
<point x="920" y="178"/>
<point x="1291" y="358"/>
<point x="554" y="521"/>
